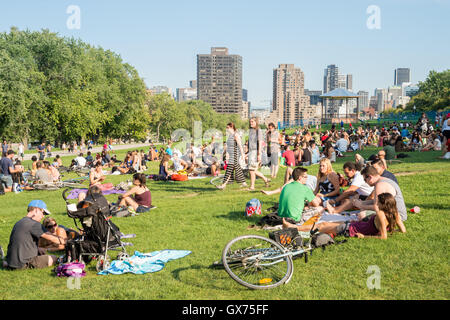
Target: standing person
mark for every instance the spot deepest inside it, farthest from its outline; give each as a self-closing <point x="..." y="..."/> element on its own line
<point x="234" y="149"/>
<point x="49" y="150"/>
<point x="41" y="151"/>
<point x="273" y="148"/>
<point x="23" y="251"/>
<point x="21" y="151"/>
<point x="446" y="131"/>
<point x="255" y="140"/>
<point x="5" y="148"/>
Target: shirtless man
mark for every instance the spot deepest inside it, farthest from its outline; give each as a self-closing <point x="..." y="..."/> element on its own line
<point x="382" y="185"/>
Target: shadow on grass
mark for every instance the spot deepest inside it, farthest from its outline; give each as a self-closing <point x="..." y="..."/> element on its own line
<point x="214" y="277"/>
<point x="429" y="206"/>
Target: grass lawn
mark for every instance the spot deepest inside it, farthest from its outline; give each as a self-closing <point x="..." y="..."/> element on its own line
<point x="194" y="216"/>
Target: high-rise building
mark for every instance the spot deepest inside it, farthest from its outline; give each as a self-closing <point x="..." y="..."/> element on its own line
<point x="331" y="82"/>
<point x="160" y="89"/>
<point x="363" y="100"/>
<point x="314" y="96"/>
<point x="402" y="75"/>
<point x="186" y="94"/>
<point x="245" y="95"/>
<point x="382" y="98"/>
<point x="289" y="98"/>
<point x="219" y="80"/>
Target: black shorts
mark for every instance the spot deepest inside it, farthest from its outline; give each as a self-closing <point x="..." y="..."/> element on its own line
<point x="446" y="134"/>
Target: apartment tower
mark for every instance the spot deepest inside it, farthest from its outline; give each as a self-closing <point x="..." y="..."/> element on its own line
<point x="289" y="99"/>
<point x="219" y="80"/>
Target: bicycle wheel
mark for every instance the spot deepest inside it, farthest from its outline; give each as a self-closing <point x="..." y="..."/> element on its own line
<point x="45" y="186"/>
<point x="74" y="185"/>
<point x="257" y="262"/>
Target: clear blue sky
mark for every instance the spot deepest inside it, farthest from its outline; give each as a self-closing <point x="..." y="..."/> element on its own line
<point x="162" y="38"/>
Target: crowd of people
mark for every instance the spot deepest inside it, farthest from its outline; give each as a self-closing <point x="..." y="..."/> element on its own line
<point x="366" y="186"/>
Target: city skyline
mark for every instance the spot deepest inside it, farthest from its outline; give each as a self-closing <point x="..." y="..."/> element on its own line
<point x="162" y="40"/>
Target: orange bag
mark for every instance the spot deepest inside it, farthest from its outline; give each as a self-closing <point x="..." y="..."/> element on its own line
<point x="179" y="177"/>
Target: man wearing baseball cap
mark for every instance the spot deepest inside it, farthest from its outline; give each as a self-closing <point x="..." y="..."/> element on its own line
<point x="23" y="251"/>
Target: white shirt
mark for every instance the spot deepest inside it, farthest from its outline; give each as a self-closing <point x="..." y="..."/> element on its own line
<point x="363" y="188"/>
<point x="342" y="145"/>
<point x="80" y="161"/>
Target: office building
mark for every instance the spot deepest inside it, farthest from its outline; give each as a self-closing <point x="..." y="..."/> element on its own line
<point x="219" y="80"/>
<point x="402" y="75"/>
<point x="244" y="95"/>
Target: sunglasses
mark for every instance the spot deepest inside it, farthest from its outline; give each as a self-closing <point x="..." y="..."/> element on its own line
<point x="50" y="226"/>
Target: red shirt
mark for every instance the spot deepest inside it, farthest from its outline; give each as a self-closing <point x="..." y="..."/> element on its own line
<point x="290" y="158"/>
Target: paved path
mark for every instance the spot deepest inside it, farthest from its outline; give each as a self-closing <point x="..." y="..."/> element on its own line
<point x="93" y="151"/>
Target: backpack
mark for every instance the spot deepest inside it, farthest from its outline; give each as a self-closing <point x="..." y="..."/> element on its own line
<point x="321" y="239"/>
<point x="72" y="269"/>
<point x="253" y="207"/>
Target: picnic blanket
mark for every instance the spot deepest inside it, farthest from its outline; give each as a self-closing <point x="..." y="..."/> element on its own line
<point x="75" y="192"/>
<point x="141" y="263"/>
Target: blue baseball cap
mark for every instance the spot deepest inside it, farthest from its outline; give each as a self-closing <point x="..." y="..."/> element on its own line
<point x="39" y="204"/>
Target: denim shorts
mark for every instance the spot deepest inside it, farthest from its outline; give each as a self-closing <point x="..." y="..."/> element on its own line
<point x="6" y="180"/>
<point x="142" y="209"/>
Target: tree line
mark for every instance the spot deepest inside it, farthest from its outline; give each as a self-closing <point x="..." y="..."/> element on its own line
<point x="62" y="89"/>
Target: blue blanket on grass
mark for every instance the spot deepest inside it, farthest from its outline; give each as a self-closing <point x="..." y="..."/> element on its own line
<point x="141" y="263"/>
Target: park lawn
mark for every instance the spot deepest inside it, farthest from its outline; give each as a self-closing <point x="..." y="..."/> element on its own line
<point x="194" y="216"/>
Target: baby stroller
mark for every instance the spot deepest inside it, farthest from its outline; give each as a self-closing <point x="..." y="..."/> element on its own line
<point x="98" y="234"/>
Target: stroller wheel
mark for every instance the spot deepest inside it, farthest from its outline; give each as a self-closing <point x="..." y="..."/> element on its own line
<point x="102" y="263"/>
<point x="122" y="256"/>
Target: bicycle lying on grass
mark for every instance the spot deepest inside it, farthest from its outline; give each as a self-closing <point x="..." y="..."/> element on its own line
<point x="258" y="262"/>
<point x="70" y="183"/>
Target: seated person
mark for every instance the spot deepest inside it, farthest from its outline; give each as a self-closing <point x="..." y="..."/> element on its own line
<point x="89" y="158"/>
<point x="377" y="225"/>
<point x="327" y="183"/>
<point x="389" y="150"/>
<point x="139" y="196"/>
<point x="164" y="171"/>
<point x="17" y="176"/>
<point x="34" y="160"/>
<point x="51" y="170"/>
<point x="293" y="196"/>
<point x="434" y="144"/>
<point x="96" y="176"/>
<point x="57" y="162"/>
<point x="52" y="227"/>
<point x="315" y="153"/>
<point x="80" y="161"/>
<point x="342" y="144"/>
<point x="23" y="250"/>
<point x="378" y="164"/>
<point x="311" y="182"/>
<point x="42" y="174"/>
<point x="358" y="189"/>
